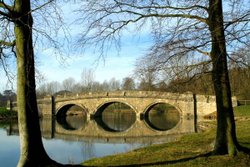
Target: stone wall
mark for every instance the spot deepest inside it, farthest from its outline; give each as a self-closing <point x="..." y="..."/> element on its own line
<point x="206" y="104"/>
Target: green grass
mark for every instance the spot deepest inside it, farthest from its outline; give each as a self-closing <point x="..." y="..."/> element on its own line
<point x="242" y="111"/>
<point x="6" y="114"/>
<point x="192" y="150"/>
<point x="3" y="110"/>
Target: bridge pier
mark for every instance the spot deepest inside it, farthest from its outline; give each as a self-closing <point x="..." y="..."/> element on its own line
<point x="47" y="106"/>
<point x="141" y="116"/>
<point x="91" y="116"/>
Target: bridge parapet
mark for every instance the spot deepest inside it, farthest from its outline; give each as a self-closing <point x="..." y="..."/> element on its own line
<point x="128" y="94"/>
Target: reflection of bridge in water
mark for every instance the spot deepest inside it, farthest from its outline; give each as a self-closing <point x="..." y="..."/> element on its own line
<point x="91" y="130"/>
<point x="92" y="133"/>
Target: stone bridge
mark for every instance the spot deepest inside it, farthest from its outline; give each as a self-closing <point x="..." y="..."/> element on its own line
<point x="191" y="108"/>
<point x="188" y="104"/>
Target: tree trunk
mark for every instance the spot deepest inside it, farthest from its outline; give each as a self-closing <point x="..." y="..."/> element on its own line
<point x="32" y="150"/>
<point x="226" y="141"/>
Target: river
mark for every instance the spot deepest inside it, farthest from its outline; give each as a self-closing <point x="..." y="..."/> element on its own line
<point x="75" y="139"/>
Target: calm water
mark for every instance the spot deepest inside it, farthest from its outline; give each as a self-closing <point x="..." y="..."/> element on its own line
<point x="75" y="139"/>
<point x="62" y="150"/>
<point x="9" y="149"/>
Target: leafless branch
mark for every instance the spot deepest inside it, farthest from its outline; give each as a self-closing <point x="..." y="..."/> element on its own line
<point x="5" y="6"/>
<point x="5" y="43"/>
<point x="244" y="18"/>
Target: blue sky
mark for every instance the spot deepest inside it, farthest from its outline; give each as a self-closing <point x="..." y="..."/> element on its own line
<point x="115" y="65"/>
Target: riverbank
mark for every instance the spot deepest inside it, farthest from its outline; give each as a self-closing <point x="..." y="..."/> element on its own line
<point x="191" y="150"/>
<point x="6" y="114"/>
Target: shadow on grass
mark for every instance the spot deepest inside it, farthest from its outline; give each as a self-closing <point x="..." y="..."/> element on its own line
<point x="170" y="162"/>
<point x="145" y="164"/>
<point x="246" y="150"/>
<point x="242" y="149"/>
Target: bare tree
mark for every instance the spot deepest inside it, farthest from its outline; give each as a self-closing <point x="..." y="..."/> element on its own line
<point x="87" y="77"/>
<point x="16" y="39"/>
<point x="128" y="83"/>
<point x="97" y="87"/>
<point x="114" y="84"/>
<point x="105" y="86"/>
<point x="42" y="90"/>
<point x="146" y="74"/>
<point x="53" y="87"/>
<point x="68" y="84"/>
<point x="198" y="30"/>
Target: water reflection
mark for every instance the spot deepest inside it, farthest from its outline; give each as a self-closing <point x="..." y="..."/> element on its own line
<point x="71" y="150"/>
<point x="75" y="138"/>
<point x="72" y="117"/>
<point x="116" y="117"/>
<point x="72" y="122"/>
<point x="162" y="116"/>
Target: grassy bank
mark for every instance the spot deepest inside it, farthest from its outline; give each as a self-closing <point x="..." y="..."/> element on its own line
<point x="6" y="114"/>
<point x="192" y="150"/>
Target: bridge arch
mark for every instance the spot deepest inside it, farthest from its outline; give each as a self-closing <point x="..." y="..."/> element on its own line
<point x="105" y="104"/>
<point x="72" y="122"/>
<point x="63" y="109"/>
<point x="163" y="102"/>
<point x="117" y="121"/>
<point x="162" y="116"/>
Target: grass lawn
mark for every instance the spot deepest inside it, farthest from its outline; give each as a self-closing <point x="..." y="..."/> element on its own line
<point x="242" y="111"/>
<point x="192" y="150"/>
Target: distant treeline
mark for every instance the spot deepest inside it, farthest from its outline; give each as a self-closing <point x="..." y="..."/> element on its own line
<point x="6" y="96"/>
<point x="200" y="84"/>
<point x="239" y="80"/>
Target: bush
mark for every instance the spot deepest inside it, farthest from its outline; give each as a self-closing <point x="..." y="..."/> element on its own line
<point x="6" y="114"/>
<point x="3" y="110"/>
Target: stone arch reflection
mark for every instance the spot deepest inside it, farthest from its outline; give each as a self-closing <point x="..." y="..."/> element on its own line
<point x="115" y="116"/>
<point x="72" y="117"/>
<point x="162" y="116"/>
